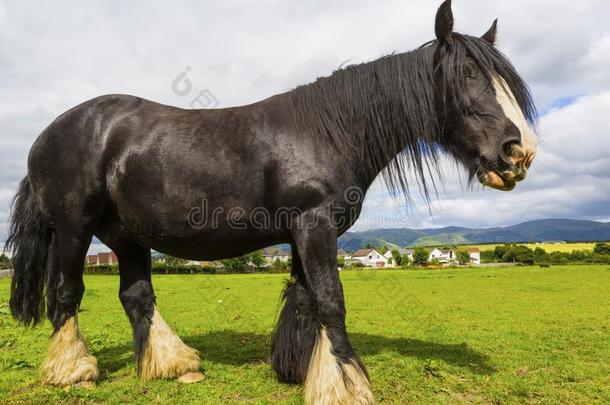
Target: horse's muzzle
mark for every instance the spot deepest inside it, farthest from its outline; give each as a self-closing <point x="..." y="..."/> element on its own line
<point x="520" y="161"/>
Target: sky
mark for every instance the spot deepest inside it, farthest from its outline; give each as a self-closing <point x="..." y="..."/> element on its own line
<point x="195" y="54"/>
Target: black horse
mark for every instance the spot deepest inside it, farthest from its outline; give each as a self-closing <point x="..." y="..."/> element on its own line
<point x="213" y="184"/>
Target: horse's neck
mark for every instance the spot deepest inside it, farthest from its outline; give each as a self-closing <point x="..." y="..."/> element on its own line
<point x="369" y="114"/>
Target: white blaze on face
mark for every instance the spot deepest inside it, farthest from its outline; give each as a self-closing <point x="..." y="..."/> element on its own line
<point x="513" y="112"/>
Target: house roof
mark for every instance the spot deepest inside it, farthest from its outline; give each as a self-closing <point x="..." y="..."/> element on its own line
<point x="474" y="250"/>
<point x="106" y="255"/>
<point x="362" y="252"/>
<point x="406" y="251"/>
<point x="443" y="250"/>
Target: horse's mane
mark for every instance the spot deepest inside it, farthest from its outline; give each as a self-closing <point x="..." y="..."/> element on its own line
<point x="384" y="115"/>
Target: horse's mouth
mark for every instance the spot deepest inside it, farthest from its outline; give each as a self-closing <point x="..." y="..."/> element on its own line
<point x="495" y="180"/>
<point x="519" y="161"/>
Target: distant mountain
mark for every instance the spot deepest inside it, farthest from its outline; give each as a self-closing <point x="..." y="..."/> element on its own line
<point x="568" y="230"/>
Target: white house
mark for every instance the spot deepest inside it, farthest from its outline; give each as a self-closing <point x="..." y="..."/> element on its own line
<point x="446" y="256"/>
<point x="271" y="255"/>
<point x="402" y="252"/>
<point x="475" y="255"/>
<point x="368" y="258"/>
<point x="443" y="256"/>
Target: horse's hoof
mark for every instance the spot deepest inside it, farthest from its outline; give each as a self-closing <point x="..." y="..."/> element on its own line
<point x="191" y="377"/>
<point x="87" y="385"/>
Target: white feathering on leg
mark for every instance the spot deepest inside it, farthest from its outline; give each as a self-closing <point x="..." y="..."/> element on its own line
<point x="68" y="361"/>
<point x="329" y="382"/>
<point x="166" y="355"/>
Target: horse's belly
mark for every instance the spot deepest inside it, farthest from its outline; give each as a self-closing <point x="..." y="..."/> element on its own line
<point x="215" y="245"/>
<point x="188" y="236"/>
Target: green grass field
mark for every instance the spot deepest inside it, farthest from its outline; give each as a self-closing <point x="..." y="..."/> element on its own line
<point x="512" y="335"/>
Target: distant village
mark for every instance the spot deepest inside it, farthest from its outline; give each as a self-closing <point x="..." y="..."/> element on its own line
<point x="373" y="258"/>
<point x="278" y="258"/>
<point x="376" y="258"/>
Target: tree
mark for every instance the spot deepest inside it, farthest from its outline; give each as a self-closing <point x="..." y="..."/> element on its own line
<point x="396" y="257"/>
<point x="340" y="261"/>
<point x="499" y="252"/>
<point x="488" y="256"/>
<point x="236" y="263"/>
<point x="578" y="256"/>
<point x="369" y="246"/>
<point x="240" y="263"/>
<point x="175" y="261"/>
<point x="518" y="254"/>
<point x="257" y="258"/>
<point x="405" y="261"/>
<point x="524" y="255"/>
<point x="420" y="257"/>
<point x="602" y="249"/>
<point x="540" y="255"/>
<point x="463" y="257"/>
<point x="383" y="250"/>
<point x="5" y="262"/>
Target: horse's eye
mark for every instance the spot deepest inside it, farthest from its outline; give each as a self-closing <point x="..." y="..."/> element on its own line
<point x="469" y="71"/>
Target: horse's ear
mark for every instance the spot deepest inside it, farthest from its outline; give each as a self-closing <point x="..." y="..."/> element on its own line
<point x="444" y="21"/>
<point x="490" y="35"/>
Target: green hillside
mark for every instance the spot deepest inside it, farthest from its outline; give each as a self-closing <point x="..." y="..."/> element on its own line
<point x="442" y="239"/>
<point x="533" y="231"/>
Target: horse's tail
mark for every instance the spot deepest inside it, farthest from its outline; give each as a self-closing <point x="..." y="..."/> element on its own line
<point x="32" y="242"/>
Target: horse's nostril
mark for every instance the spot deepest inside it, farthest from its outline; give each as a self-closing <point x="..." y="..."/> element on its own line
<point x="514" y="150"/>
<point x="529" y="159"/>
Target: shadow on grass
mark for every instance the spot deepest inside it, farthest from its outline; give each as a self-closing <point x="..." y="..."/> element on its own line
<point x="239" y="348"/>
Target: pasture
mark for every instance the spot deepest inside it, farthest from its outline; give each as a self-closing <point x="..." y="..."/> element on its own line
<point x="512" y="335"/>
<point x="548" y="247"/>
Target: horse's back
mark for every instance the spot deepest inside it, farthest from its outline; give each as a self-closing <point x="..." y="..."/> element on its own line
<point x="140" y="169"/>
<point x="68" y="164"/>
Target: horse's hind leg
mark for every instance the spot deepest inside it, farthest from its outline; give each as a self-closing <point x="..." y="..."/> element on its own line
<point x="296" y="331"/>
<point x="335" y="374"/>
<point x="159" y="352"/>
<point x="68" y="361"/>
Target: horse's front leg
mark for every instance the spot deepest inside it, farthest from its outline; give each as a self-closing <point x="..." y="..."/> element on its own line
<point x="335" y="374"/>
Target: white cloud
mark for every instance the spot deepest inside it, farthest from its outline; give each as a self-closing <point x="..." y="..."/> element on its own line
<point x="244" y="51"/>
